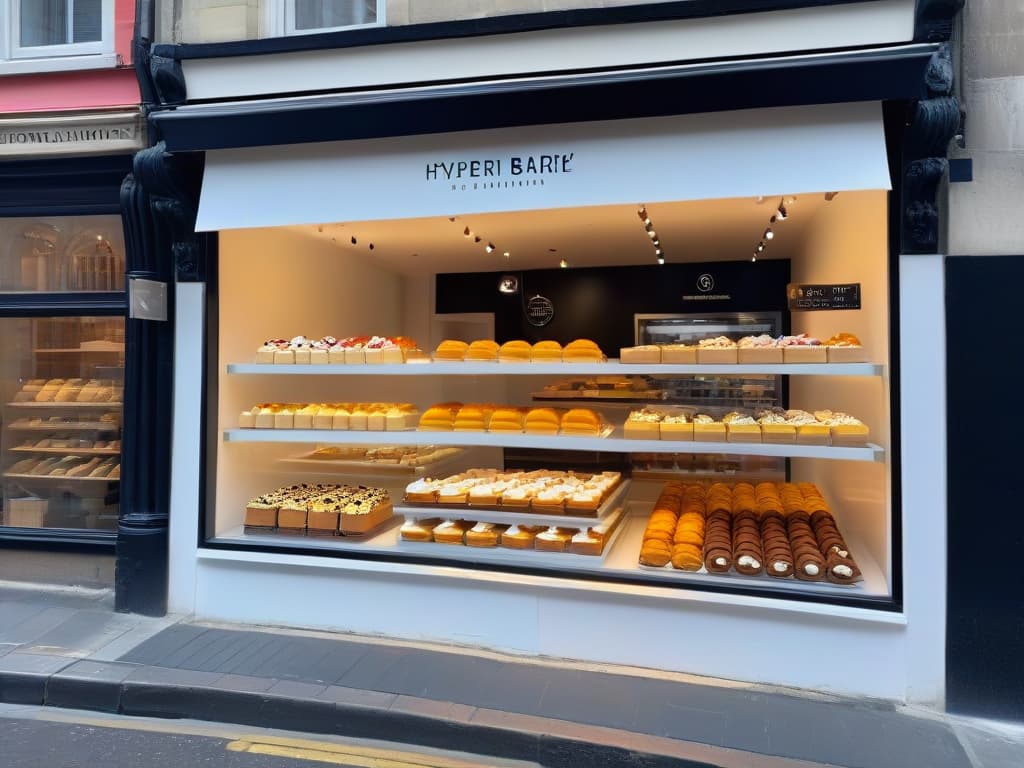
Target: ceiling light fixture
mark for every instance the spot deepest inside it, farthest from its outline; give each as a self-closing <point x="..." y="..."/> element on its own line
<point x="645" y="219"/>
<point x="489" y="248"/>
<point x="508" y="284"/>
<point x="563" y="263"/>
<point x="768" y="234"/>
<point x="782" y="214"/>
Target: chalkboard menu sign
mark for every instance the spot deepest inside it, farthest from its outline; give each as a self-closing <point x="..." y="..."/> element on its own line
<point x="806" y="297"/>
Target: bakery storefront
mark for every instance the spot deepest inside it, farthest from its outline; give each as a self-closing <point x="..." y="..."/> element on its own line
<point x="63" y="312"/>
<point x="654" y="387"/>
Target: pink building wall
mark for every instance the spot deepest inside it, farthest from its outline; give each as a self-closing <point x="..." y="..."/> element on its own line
<point x="82" y="90"/>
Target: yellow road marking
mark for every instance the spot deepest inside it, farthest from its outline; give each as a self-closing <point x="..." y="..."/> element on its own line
<point x="332" y="757"/>
<point x="280" y="746"/>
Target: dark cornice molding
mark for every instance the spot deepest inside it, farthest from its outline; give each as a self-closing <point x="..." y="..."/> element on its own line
<point x="887" y="74"/>
<point x="493" y="25"/>
<point x="933" y="19"/>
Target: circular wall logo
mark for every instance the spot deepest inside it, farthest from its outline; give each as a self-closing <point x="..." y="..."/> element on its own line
<point x="705" y="283"/>
<point x="539" y="311"/>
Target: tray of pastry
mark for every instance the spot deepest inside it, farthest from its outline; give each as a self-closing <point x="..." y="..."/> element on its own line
<point x="481" y="541"/>
<point x="376" y="460"/>
<point x="516" y="495"/>
<point x="773" y="531"/>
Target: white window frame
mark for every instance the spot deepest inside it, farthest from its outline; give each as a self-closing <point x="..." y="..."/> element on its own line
<point x="278" y="20"/>
<point x="16" y="58"/>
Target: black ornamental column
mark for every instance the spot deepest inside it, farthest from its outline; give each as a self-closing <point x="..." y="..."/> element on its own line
<point x="158" y="201"/>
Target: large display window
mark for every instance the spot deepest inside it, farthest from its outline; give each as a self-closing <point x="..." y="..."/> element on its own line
<point x="643" y="393"/>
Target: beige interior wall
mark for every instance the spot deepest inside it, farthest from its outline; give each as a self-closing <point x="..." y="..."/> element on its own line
<point x="282" y="283"/>
<point x="848" y="242"/>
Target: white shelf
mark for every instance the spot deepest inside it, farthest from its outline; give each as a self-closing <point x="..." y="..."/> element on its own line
<point x="71" y="451"/>
<point x="517" y="518"/>
<point x="618" y="560"/>
<point x="611" y="368"/>
<point x="55" y="404"/>
<point x="613" y="444"/>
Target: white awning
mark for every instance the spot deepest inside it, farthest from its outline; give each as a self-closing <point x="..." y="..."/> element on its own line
<point x="779" y="151"/>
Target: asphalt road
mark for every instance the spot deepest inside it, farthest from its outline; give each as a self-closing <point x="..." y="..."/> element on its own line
<point x="39" y="737"/>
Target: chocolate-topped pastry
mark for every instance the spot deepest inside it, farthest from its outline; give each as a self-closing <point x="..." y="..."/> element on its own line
<point x="718" y="543"/>
<point x="747" y="556"/>
<point x="841" y="570"/>
<point x="777" y="551"/>
<point x="809" y="563"/>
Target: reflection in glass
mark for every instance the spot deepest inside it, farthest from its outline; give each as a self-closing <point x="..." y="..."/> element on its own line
<point x="62" y="382"/>
<point x="60" y="22"/>
<point x="325" y="14"/>
<point x="73" y="253"/>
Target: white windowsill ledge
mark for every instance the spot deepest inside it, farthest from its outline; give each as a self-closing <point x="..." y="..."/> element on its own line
<point x="58" y="64"/>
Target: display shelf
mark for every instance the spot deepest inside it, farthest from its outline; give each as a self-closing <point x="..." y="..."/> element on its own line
<point x="76" y="426"/>
<point x="613" y="444"/>
<point x="611" y="368"/>
<point x="70" y="451"/>
<point x="520" y="517"/>
<point x="64" y="478"/>
<point x="371" y="468"/>
<point x="73" y="404"/>
<point x="626" y="554"/>
<point x="618" y="559"/>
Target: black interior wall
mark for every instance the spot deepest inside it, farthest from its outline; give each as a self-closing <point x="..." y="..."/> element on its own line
<point x="599" y="302"/>
<point x="985" y="591"/>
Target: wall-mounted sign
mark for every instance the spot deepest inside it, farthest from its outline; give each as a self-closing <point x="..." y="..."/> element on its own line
<point x="72" y="134"/>
<point x="803" y="298"/>
<point x="704" y="286"/>
<point x="511" y="171"/>
<point x="539" y="311"/>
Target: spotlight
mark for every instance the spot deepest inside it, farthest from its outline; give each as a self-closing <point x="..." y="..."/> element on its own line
<point x="754" y="257"/>
<point x="508" y="255"/>
<point x="563" y="263"/>
<point x="642" y="213"/>
<point x="661" y="259"/>
<point x="658" y="252"/>
<point x="477" y="239"/>
<point x="760" y="248"/>
<point x="489" y="247"/>
<point x="768" y="234"/>
<point x="652" y="234"/>
<point x="782" y="215"/>
<point x="466" y="232"/>
<point x="508" y="284"/>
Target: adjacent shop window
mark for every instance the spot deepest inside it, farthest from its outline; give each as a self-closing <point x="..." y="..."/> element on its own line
<point x="62" y="382"/>
<point x="305" y="16"/>
<point x="56" y="28"/>
<point x="54" y="255"/>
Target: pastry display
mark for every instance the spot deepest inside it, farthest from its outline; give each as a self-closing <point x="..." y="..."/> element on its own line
<point x="582" y="351"/>
<point x="507" y="419"/>
<point x="582" y="421"/>
<point x="643" y="424"/>
<point x="520" y="536"/>
<point x="539" y="491"/>
<point x="419" y="530"/>
<point x="542" y="421"/>
<point x="783" y="530"/>
<point x="451" y="531"/>
<point x="69" y="391"/>
<point x="802" y="349"/>
<point x="845" y="348"/>
<point x="483" y="350"/>
<point x="719" y="350"/>
<point x="546" y="352"/>
<point x="645" y="353"/>
<point x="518" y="351"/>
<point x="320" y="509"/>
<point x="473" y="418"/>
<point x="439" y="418"/>
<point x="66" y="466"/>
<point x="762" y="349"/>
<point x="302" y="350"/>
<point x="741" y="428"/>
<point x="844" y="429"/>
<point x="392" y="417"/>
<point x="707" y="428"/>
<point x="775" y="428"/>
<point x="451" y="349"/>
<point x="484" y="535"/>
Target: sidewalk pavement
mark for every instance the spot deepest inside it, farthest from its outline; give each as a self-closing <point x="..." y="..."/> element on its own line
<point x="67" y="648"/>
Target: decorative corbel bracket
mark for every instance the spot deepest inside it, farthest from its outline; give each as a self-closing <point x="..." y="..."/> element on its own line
<point x="932" y="123"/>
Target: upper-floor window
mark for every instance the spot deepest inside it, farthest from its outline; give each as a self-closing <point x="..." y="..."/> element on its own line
<point x="71" y="32"/>
<point x="303" y="17"/>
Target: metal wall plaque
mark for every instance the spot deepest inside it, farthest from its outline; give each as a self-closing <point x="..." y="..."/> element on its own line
<point x="539" y="311"/>
<point x="807" y="297"/>
<point x="147" y="299"/>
